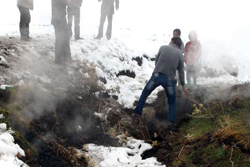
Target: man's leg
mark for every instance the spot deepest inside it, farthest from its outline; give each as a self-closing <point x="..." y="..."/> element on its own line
<point x="102" y="20"/>
<point x="24" y="22"/>
<point x="188" y="76"/>
<point x="194" y="79"/>
<point x="70" y="20"/>
<point x="169" y="88"/>
<point x="58" y="44"/>
<point x="195" y="74"/>
<point x="28" y="23"/>
<point x="67" y="51"/>
<point x="77" y="22"/>
<point x="109" y="29"/>
<point x="66" y="42"/>
<point x="150" y="86"/>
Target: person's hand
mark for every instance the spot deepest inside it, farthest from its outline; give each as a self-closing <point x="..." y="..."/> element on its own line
<point x="99" y="0"/>
<point x="117" y="7"/>
<point x="185" y="91"/>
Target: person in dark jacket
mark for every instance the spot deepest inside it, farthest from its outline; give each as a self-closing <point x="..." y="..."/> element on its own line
<point x="62" y="47"/>
<point x="107" y="10"/>
<point x="177" y="33"/>
<point x="74" y="11"/>
<point x="24" y="7"/>
<point x="168" y="60"/>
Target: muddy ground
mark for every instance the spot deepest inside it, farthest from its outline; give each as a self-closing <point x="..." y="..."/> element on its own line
<point x="50" y="122"/>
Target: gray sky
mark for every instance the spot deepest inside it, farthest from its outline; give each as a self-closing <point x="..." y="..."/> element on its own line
<point x="213" y="19"/>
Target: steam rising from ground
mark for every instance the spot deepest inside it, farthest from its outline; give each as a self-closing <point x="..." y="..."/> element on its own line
<point x="224" y="47"/>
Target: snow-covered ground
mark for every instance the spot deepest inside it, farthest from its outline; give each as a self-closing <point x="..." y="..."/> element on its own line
<point x="140" y="27"/>
<point x="9" y="151"/>
<point x="127" y="156"/>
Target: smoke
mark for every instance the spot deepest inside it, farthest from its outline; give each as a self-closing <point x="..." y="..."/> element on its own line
<point x="38" y="101"/>
<point x="229" y="56"/>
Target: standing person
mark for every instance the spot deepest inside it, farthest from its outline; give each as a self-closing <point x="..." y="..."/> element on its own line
<point x="107" y="10"/>
<point x="24" y="7"/>
<point x="177" y="33"/>
<point x="62" y="47"/>
<point x="192" y="56"/>
<point x="74" y="10"/>
<point x="168" y="60"/>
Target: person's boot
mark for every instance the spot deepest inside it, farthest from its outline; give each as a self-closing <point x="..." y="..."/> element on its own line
<point x="98" y="37"/>
<point x="78" y="38"/>
<point x="108" y="38"/>
<point x="25" y="38"/>
<point x="108" y="35"/>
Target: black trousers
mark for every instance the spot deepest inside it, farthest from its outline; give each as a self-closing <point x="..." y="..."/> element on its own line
<point x="62" y="46"/>
<point x="74" y="12"/>
<point x="102" y="21"/>
<point x="24" y="21"/>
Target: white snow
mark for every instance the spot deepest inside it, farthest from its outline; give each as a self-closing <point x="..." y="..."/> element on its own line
<point x="8" y="149"/>
<point x="1" y="116"/>
<point x="131" y="39"/>
<point x="6" y="86"/>
<point x="127" y="156"/>
<point x="140" y="27"/>
<point x="2" y="60"/>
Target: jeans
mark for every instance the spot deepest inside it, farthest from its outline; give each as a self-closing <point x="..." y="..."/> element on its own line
<point x="168" y="84"/>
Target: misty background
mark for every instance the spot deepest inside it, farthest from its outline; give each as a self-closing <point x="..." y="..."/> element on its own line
<point x="222" y="26"/>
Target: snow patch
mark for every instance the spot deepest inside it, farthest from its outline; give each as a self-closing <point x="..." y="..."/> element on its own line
<point x="8" y="149"/>
<point x="127" y="156"/>
<point x="3" y="87"/>
<point x="2" y="60"/>
<point x="1" y="116"/>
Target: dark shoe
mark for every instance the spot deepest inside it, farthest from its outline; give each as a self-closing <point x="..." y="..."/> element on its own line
<point x="78" y="38"/>
<point x="137" y="118"/>
<point x="24" y="38"/>
<point x="173" y="127"/>
<point x="98" y="37"/>
<point x="58" y="62"/>
<point x="137" y="113"/>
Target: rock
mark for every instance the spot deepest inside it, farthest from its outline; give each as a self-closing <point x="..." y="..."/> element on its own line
<point x="148" y="114"/>
<point x="183" y="107"/>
